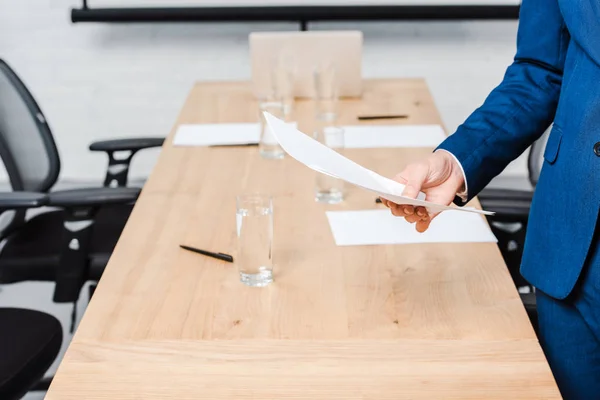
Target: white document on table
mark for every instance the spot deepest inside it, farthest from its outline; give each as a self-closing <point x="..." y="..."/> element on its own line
<point x="329" y="162"/>
<point x="217" y="134"/>
<point x="378" y="136"/>
<point x="379" y="227"/>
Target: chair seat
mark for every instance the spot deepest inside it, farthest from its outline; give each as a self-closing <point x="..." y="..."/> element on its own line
<point x="32" y="252"/>
<point x="29" y="343"/>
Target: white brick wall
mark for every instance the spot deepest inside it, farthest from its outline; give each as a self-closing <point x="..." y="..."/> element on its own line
<point x="103" y="81"/>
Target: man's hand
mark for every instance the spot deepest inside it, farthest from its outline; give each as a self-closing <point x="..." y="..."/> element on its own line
<point x="439" y="176"/>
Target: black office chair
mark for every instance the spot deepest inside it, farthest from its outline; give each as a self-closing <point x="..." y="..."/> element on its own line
<point x="29" y="343"/>
<point x="509" y="224"/>
<point x="72" y="243"/>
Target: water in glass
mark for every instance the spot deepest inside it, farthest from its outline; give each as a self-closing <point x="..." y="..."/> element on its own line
<point x="328" y="189"/>
<point x="255" y="239"/>
<point x="326" y="93"/>
<point x="269" y="147"/>
<point x="283" y="78"/>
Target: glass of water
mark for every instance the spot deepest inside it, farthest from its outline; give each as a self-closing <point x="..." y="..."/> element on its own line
<point x="326" y="92"/>
<point x="268" y="146"/>
<point x="283" y="75"/>
<point x="328" y="189"/>
<point x="254" y="217"/>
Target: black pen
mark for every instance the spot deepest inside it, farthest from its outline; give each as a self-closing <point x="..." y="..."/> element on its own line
<point x="220" y="256"/>
<point x="375" y="117"/>
<point x="235" y="145"/>
<point x="378" y="200"/>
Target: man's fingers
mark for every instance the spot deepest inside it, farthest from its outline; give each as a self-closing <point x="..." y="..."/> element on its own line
<point x="412" y="218"/>
<point x="425" y="176"/>
<point x="414" y="176"/>
<point x="397" y="210"/>
<point x="402" y="210"/>
<point x="422" y="212"/>
<point x="422" y="225"/>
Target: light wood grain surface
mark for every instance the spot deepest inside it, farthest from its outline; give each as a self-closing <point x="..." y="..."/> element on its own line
<point x="344" y="370"/>
<point x="370" y="322"/>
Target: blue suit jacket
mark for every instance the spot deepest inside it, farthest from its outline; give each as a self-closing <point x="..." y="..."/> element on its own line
<point x="555" y="76"/>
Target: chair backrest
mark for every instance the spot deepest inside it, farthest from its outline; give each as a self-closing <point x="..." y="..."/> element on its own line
<point x="535" y="161"/>
<point x="27" y="147"/>
<point x="305" y="51"/>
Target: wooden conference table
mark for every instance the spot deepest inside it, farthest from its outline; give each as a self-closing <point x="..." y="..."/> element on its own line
<point x="429" y="321"/>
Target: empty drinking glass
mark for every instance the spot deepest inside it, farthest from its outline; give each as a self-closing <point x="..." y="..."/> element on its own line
<point x="254" y="217"/>
<point x="326" y="92"/>
<point x="268" y="146"/>
<point x="328" y="189"/>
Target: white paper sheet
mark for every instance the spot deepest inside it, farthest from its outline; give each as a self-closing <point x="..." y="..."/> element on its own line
<point x="327" y="161"/>
<point x="217" y="134"/>
<point x="377" y="136"/>
<point x="378" y="227"/>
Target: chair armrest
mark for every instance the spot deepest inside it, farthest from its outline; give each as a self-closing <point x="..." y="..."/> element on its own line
<point x="19" y="200"/>
<point x="505" y="194"/>
<point x="131" y="144"/>
<point x="507" y="210"/>
<point x="80" y="206"/>
<point x="118" y="168"/>
<point x="92" y="197"/>
<point x="509" y="205"/>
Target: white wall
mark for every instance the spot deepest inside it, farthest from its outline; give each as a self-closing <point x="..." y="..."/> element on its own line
<point x="103" y="81"/>
<point x="98" y="81"/>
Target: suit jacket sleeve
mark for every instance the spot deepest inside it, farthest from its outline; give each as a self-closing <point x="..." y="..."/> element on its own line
<point x="521" y="108"/>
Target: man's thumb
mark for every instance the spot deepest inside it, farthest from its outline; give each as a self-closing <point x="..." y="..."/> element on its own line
<point x="413" y="177"/>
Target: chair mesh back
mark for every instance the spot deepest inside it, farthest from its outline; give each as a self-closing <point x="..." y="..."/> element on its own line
<point x="26" y="144"/>
<point x="535" y="161"/>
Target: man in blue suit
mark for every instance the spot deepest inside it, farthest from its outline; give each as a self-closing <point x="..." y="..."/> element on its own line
<point x="555" y="77"/>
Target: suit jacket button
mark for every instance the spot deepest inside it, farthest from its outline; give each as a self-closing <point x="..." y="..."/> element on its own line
<point x="597" y="149"/>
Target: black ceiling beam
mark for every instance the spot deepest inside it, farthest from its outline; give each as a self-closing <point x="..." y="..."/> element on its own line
<point x="295" y="13"/>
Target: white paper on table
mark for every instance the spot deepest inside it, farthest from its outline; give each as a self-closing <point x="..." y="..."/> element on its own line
<point x="377" y="136"/>
<point x="329" y="162"/>
<point x="378" y="227"/>
<point x="217" y="134"/>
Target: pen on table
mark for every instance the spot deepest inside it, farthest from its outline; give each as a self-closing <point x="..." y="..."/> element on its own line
<point x="376" y="117"/>
<point x="235" y="145"/>
<point x="220" y="256"/>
